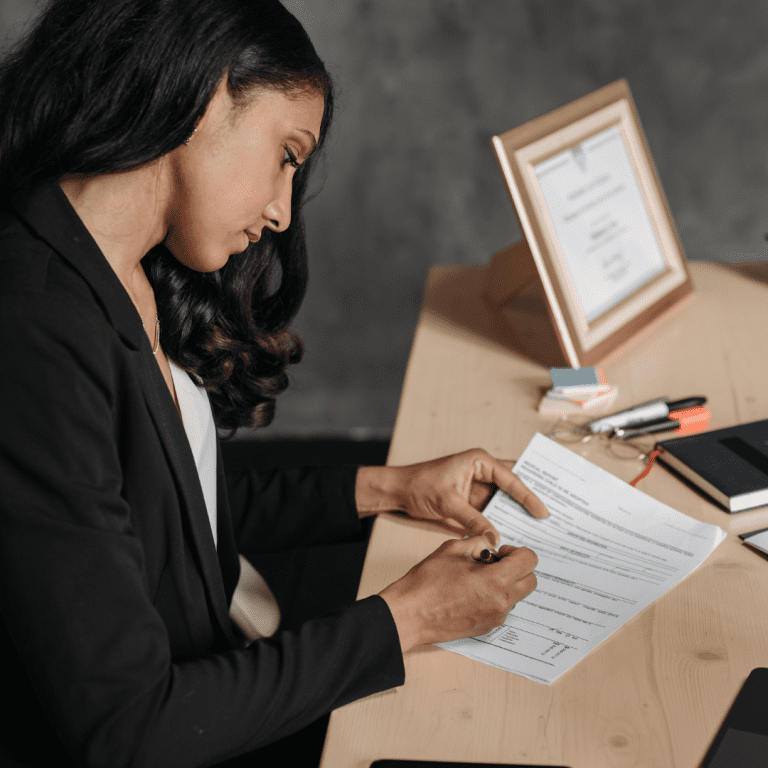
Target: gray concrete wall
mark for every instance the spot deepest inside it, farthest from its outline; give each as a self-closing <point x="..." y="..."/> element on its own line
<point x="411" y="181"/>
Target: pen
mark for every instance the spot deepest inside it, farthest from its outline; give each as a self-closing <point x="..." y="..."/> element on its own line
<point x="662" y="425"/>
<point x="487" y="557"/>
<point x="652" y="411"/>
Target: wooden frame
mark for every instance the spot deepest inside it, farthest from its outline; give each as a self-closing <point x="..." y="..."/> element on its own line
<point x="598" y="231"/>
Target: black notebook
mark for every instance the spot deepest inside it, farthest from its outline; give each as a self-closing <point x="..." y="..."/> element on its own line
<point x="730" y="464"/>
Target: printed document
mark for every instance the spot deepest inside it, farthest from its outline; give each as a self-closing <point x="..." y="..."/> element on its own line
<point x="606" y="551"/>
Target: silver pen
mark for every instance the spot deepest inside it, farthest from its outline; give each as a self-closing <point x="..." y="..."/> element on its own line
<point x="650" y="411"/>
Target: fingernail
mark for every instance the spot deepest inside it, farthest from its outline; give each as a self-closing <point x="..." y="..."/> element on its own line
<point x="489" y="538"/>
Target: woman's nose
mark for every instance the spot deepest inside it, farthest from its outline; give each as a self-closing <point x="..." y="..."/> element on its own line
<point x="278" y="212"/>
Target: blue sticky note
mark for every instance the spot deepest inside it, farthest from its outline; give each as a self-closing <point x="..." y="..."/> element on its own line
<point x="574" y="377"/>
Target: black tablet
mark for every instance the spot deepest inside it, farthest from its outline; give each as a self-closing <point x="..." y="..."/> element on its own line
<point x="742" y="741"/>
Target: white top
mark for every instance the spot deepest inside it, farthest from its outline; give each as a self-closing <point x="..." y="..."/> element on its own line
<point x="201" y="432"/>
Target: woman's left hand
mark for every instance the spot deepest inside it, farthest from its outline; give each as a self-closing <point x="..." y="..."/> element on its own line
<point x="457" y="487"/>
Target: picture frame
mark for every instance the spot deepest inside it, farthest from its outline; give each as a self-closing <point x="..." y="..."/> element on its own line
<point x="598" y="232"/>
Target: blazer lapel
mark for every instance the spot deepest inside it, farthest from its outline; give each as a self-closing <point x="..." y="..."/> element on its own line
<point x="48" y="212"/>
<point x="174" y="439"/>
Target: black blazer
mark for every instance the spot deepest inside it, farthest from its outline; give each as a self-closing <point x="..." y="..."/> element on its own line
<point x="116" y="641"/>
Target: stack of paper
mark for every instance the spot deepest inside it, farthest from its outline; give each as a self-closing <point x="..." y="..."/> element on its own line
<point x="576" y="389"/>
<point x="606" y="552"/>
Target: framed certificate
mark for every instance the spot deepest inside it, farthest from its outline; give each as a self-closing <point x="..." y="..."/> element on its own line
<point x="598" y="230"/>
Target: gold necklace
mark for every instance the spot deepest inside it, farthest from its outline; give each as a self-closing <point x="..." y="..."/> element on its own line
<point x="157" y="333"/>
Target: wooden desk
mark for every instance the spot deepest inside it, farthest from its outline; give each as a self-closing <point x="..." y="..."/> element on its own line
<point x="654" y="693"/>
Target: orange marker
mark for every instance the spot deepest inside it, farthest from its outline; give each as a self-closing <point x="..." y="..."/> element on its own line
<point x="691" y="419"/>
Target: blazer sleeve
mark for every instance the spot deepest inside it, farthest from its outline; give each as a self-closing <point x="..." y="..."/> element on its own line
<point x="74" y="597"/>
<point x="281" y="508"/>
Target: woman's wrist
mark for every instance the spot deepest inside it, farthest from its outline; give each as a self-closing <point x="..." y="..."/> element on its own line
<point x="407" y="630"/>
<point x="379" y="489"/>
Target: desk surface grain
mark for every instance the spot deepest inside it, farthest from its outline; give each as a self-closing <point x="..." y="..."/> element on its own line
<point x="655" y="692"/>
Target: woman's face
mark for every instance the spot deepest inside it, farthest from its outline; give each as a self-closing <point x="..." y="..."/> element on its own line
<point x="234" y="176"/>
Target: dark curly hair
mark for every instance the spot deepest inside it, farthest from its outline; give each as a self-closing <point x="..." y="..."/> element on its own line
<point x="99" y="87"/>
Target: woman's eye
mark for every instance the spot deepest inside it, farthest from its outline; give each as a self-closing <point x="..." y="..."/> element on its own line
<point x="289" y="158"/>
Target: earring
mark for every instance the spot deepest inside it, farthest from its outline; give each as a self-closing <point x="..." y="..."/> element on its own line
<point x="190" y="136"/>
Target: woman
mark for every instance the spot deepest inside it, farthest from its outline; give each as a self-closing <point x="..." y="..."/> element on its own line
<point x="153" y="157"/>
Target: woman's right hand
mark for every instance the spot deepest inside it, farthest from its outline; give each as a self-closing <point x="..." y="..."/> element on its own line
<point x="450" y="595"/>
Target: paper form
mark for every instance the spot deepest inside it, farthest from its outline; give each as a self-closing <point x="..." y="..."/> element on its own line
<point x="606" y="551"/>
